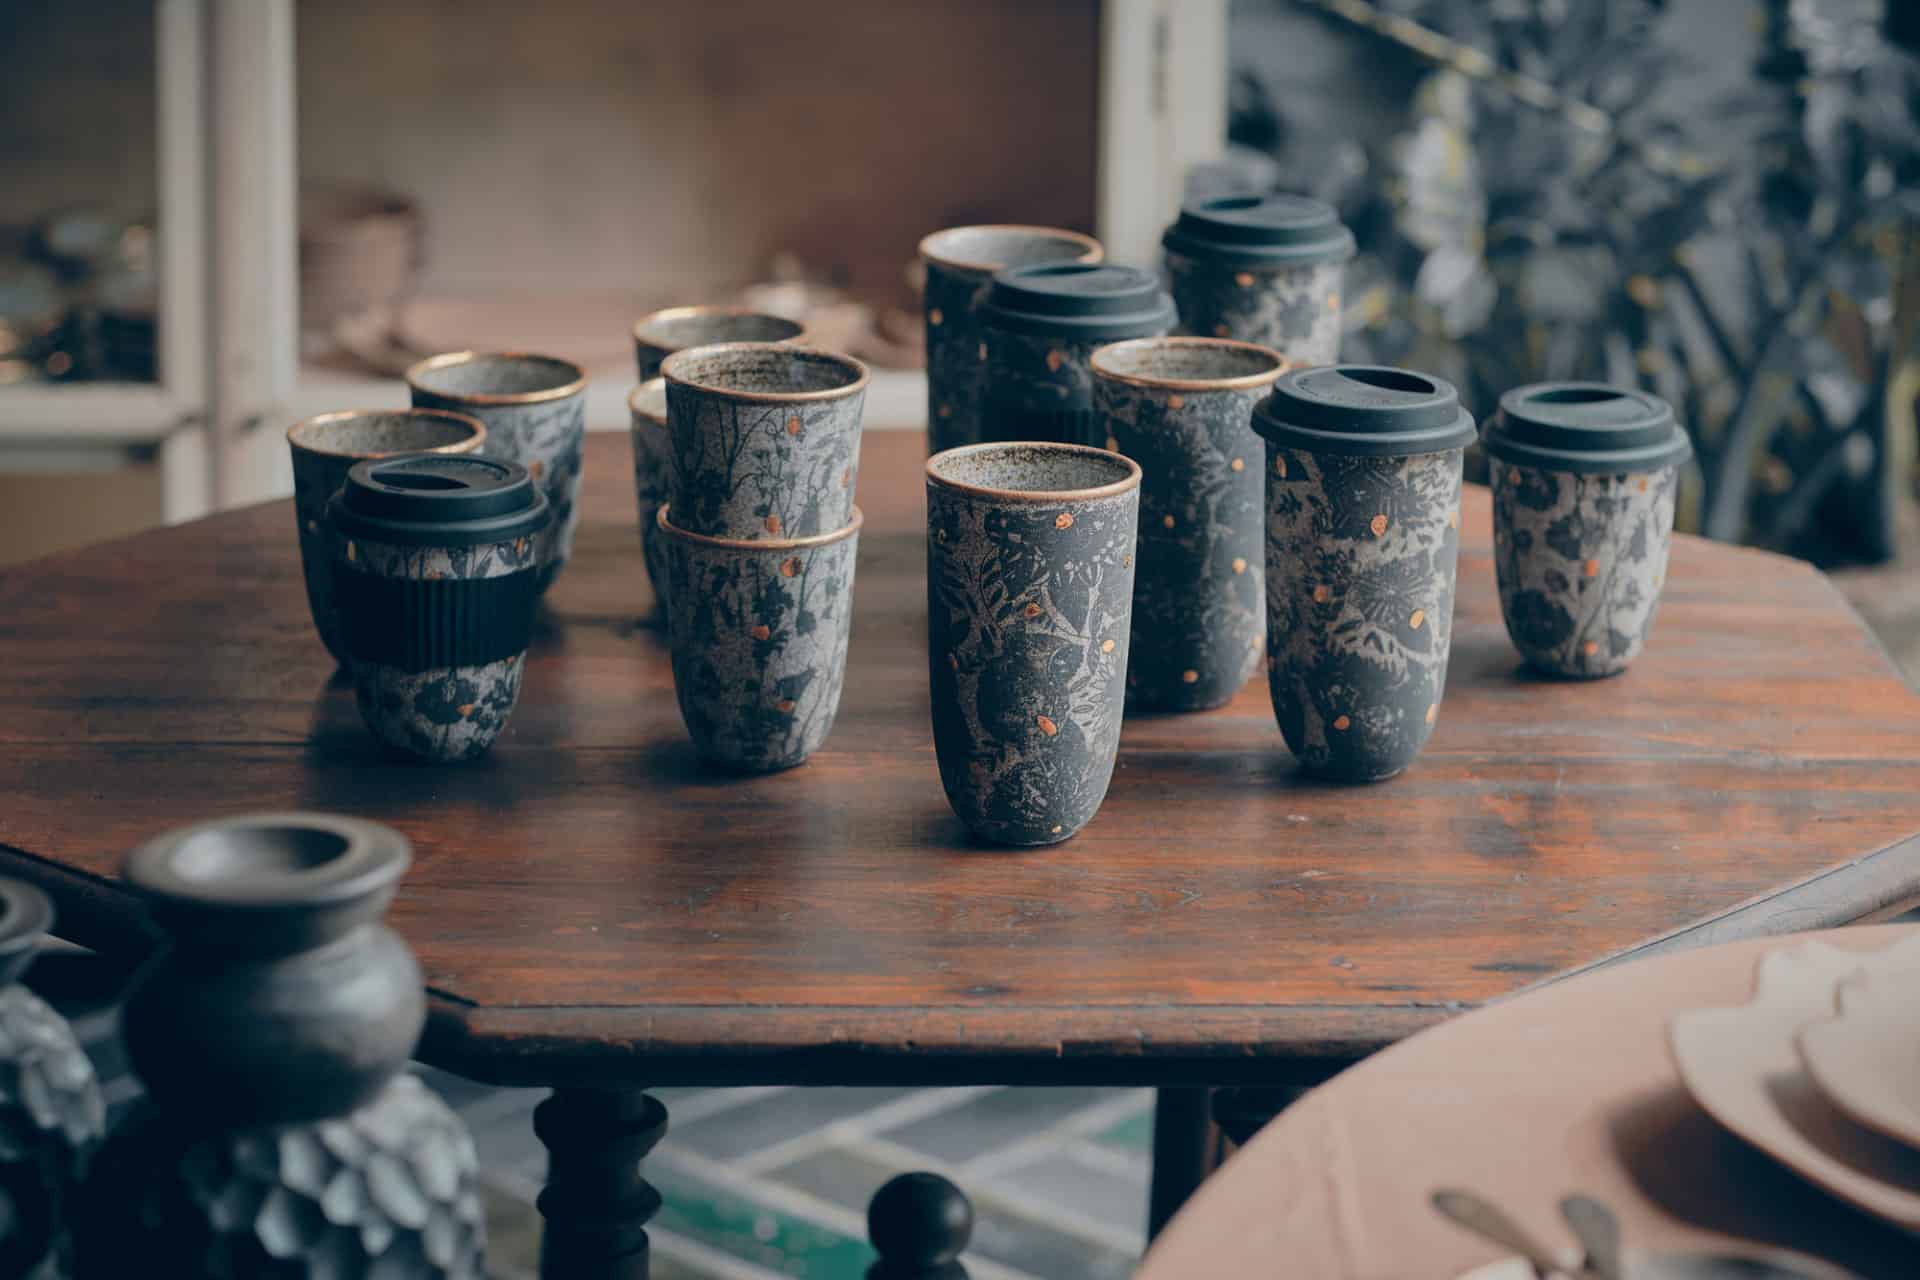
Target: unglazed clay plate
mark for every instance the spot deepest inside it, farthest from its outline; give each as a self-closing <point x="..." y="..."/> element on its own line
<point x="1866" y="1060"/>
<point x="1742" y="1067"/>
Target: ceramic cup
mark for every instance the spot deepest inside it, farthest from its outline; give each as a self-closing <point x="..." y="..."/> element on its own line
<point x="759" y="638"/>
<point x="534" y="408"/>
<point x="651" y="446"/>
<point x="1040" y="325"/>
<point x="1584" y="479"/>
<point x="659" y="335"/>
<point x="1263" y="269"/>
<point x="766" y="439"/>
<point x="1030" y="553"/>
<point x="960" y="262"/>
<point x="324" y="450"/>
<point x="1182" y="408"/>
<point x="1363" y="533"/>
<point x="437" y="575"/>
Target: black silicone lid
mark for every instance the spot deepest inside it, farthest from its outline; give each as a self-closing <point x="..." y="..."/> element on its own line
<point x="1370" y="410"/>
<point x="439" y="500"/>
<point x="1586" y="427"/>
<point x="1092" y="301"/>
<point x="1275" y="230"/>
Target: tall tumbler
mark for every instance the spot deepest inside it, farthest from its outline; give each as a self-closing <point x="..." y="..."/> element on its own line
<point x="1030" y="551"/>
<point x="1182" y="408"/>
<point x="1263" y="269"/>
<point x="1040" y="326"/>
<point x="959" y="263"/>
<point x="535" y="411"/>
<point x="1363" y="533"/>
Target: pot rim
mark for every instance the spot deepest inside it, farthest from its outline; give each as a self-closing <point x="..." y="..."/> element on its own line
<point x="1091" y="493"/>
<point x="469" y="445"/>
<point x="712" y="309"/>
<point x="1238" y="382"/>
<point x="685" y="355"/>
<point x="1091" y="250"/>
<point x="449" y="359"/>
<point x="846" y="530"/>
<point x="633" y="402"/>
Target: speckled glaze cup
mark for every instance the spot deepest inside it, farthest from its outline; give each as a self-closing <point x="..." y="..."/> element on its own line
<point x="647" y="404"/>
<point x="1040" y="326"/>
<point x="534" y="408"/>
<point x="1182" y="408"/>
<point x="1030" y="558"/>
<point x="1363" y="537"/>
<point x="1584" y="480"/>
<point x="659" y="335"/>
<point x="766" y="439"/>
<point x="959" y="262"/>
<point x="759" y="638"/>
<point x="1261" y="268"/>
<point x="324" y="449"/>
<point x="437" y="578"/>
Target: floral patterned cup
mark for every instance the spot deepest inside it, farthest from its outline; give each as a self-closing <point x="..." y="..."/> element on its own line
<point x="1263" y="269"/>
<point x="659" y="335"/>
<point x="651" y="449"/>
<point x="324" y="450"/>
<point x="1030" y="551"/>
<point x="534" y="408"/>
<point x="1182" y="408"/>
<point x="1363" y="536"/>
<point x="959" y="262"/>
<point x="437" y="578"/>
<point x="1584" y="481"/>
<point x="759" y="634"/>
<point x="766" y="439"/>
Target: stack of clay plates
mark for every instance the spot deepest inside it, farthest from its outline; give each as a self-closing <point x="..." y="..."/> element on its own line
<point x="360" y="251"/>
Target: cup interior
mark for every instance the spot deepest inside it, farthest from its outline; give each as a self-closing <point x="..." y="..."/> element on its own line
<point x="648" y="403"/>
<point x="1188" y="361"/>
<point x="997" y="248"/>
<point x="698" y="327"/>
<point x="223" y="854"/>
<point x="495" y="374"/>
<point x="1030" y="468"/>
<point x="368" y="435"/>
<point x="765" y="369"/>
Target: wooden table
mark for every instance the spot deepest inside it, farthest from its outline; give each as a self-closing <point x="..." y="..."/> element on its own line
<point x="597" y="911"/>
<point x="1567" y="1089"/>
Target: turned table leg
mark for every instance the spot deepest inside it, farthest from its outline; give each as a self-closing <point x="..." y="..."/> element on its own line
<point x="1185" y="1150"/>
<point x="595" y="1203"/>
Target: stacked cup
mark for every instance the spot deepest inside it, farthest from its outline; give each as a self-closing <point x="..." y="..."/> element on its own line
<point x="1263" y="269"/>
<point x="759" y="534"/>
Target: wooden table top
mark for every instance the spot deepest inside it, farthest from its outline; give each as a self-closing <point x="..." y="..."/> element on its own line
<point x="1568" y="1089"/>
<point x="591" y="904"/>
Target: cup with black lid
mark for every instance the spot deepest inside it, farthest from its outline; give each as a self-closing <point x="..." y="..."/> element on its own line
<point x="1584" y="481"/>
<point x="437" y="576"/>
<point x="1261" y="268"/>
<point x="1363" y="475"/>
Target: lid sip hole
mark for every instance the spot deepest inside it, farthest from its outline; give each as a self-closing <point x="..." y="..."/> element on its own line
<point x="1231" y="204"/>
<point x="1577" y="395"/>
<point x="421" y="480"/>
<point x="1391" y="380"/>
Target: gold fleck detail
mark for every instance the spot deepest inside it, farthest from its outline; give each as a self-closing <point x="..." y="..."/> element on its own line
<point x="1592" y="568"/>
<point x="1590" y="648"/>
<point x="1220" y="331"/>
<point x="953" y="660"/>
<point x="773" y="524"/>
<point x="1643" y="484"/>
<point x="1379" y="525"/>
<point x="935" y="319"/>
<point x="1032" y="610"/>
<point x="784" y="706"/>
<point x="1659" y="578"/>
<point x="1167" y="521"/>
<point x="1064" y="520"/>
<point x="790" y="567"/>
<point x="793" y="425"/>
<point x="1419" y="616"/>
<point x="1644" y="290"/>
<point x="1322" y="593"/>
<point x="537" y="469"/>
<point x="1280" y="467"/>
<point x="1126" y="561"/>
<point x="1047" y="726"/>
<point x="846" y="478"/>
<point x="1176" y="402"/>
<point x="1106" y="646"/>
<point x="520" y="545"/>
<point x="1433" y="709"/>
<point x="1244" y="279"/>
<point x="1343" y="724"/>
<point x="1190" y="676"/>
<point x="983" y="351"/>
<point x="1058" y="828"/>
<point x="466" y="710"/>
<point x="1513" y="475"/>
<point x="352" y="552"/>
<point x="313" y="526"/>
<point x="1055" y="359"/>
<point x="1333" y="302"/>
<point x="1113" y="444"/>
<point x="946" y="411"/>
<point x="1239" y="564"/>
<point x="1269" y="662"/>
<point x="1453" y="519"/>
<point x="760" y="631"/>
<point x="1238" y="464"/>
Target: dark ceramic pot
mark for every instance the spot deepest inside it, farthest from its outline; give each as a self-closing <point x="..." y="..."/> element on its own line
<point x="438" y="578"/>
<point x="1584" y="481"/>
<point x="1265" y="269"/>
<point x="1041" y="325"/>
<point x="759" y="634"/>
<point x="1030" y="554"/>
<point x="766" y="439"/>
<point x="960" y="262"/>
<point x="652" y="449"/>
<point x="51" y="1110"/>
<point x="534" y="408"/>
<point x="283" y="1138"/>
<point x="324" y="449"/>
<point x="1363" y="535"/>
<point x="659" y="335"/>
<point x="1182" y="408"/>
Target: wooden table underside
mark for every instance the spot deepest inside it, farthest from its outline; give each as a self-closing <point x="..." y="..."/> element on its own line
<point x="592" y="905"/>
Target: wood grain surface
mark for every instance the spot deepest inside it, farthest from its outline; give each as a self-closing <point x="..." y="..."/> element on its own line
<point x="591" y="903"/>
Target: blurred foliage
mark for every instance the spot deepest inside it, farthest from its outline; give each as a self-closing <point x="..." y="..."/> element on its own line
<point x="1549" y="209"/>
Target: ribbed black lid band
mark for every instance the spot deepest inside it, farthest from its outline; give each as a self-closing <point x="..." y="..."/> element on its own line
<point x="427" y="624"/>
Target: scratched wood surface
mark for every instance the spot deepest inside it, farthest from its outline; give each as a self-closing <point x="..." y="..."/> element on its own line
<point x="590" y="903"/>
